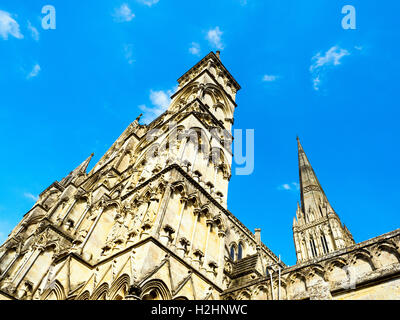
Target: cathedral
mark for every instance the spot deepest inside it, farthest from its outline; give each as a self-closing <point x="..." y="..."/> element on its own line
<point x="150" y="221"/>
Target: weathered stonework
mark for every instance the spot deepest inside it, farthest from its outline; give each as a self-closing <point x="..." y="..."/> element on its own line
<point x="150" y="221"/>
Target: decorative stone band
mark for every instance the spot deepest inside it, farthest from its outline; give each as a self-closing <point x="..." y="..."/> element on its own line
<point x="311" y="188"/>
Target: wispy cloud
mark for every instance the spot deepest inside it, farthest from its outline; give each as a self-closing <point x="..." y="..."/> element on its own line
<point x="34" y="31"/>
<point x="160" y="101"/>
<point x="8" y="26"/>
<point x="289" y="186"/>
<point x="35" y="71"/>
<point x="128" y="53"/>
<point x="214" y="37"/>
<point x="269" y="78"/>
<point x="30" y="196"/>
<point x="195" y="48"/>
<point x="321" y="62"/>
<point x="123" y="13"/>
<point x="148" y="2"/>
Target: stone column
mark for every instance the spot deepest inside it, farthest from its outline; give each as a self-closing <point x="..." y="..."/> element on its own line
<point x="221" y="237"/>
<point x="195" y="157"/>
<point x="9" y="266"/>
<point x="68" y="211"/>
<point x="92" y="228"/>
<point x="78" y="224"/>
<point x="162" y="209"/>
<point x="24" y="270"/>
<point x="209" y="223"/>
<point x="184" y="201"/>
<point x="183" y="148"/>
<point x="196" y="213"/>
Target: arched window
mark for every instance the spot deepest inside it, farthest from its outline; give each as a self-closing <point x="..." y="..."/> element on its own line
<point x="313" y="249"/>
<point x="240" y="251"/>
<point x="232" y="252"/>
<point x="324" y="244"/>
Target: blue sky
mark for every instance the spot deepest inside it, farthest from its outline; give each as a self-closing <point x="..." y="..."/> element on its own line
<point x="67" y="92"/>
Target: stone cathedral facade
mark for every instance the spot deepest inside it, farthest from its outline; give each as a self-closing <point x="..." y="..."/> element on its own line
<point x="150" y="221"/>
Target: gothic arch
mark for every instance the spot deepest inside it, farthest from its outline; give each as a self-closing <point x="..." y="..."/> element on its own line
<point x="315" y="273"/>
<point x="183" y="96"/>
<point x="335" y="270"/>
<point x="121" y="283"/>
<point x="362" y="255"/>
<point x="261" y="292"/>
<point x="100" y="292"/>
<point x="113" y="203"/>
<point x="54" y="292"/>
<point x="240" y="253"/>
<point x="194" y="197"/>
<point x="84" y="296"/>
<point x="233" y="248"/>
<point x="145" y="194"/>
<point x="155" y="290"/>
<point x="244" y="295"/>
<point x="386" y="253"/>
<point x="218" y="96"/>
<point x="297" y="283"/>
<point x="179" y="187"/>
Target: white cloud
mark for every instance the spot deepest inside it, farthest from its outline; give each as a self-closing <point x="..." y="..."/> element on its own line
<point x="149" y="2"/>
<point x="195" y="48"/>
<point x="123" y="13"/>
<point x="332" y="57"/>
<point x="30" y="196"/>
<point x="35" y="71"/>
<point x="269" y="78"/>
<point x="160" y="101"/>
<point x="8" y="26"/>
<point x="289" y="186"/>
<point x="316" y="82"/>
<point x="160" y="98"/>
<point x="34" y="31"/>
<point x="128" y="52"/>
<point x="214" y="37"/>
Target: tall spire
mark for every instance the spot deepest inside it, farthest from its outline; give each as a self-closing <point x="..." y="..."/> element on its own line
<point x="312" y="195"/>
<point x="79" y="170"/>
<point x="318" y="229"/>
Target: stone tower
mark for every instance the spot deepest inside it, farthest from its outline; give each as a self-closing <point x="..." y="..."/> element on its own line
<point x="317" y="229"/>
<point x="150" y="220"/>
